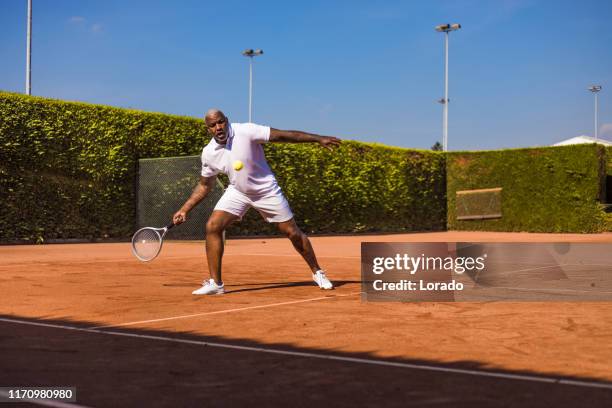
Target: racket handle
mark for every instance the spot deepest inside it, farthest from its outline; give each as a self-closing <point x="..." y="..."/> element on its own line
<point x="172" y="224"/>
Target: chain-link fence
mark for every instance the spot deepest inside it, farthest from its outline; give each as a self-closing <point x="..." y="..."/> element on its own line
<point x="163" y="186"/>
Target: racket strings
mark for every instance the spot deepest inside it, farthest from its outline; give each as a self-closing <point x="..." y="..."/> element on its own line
<point x="146" y="243"/>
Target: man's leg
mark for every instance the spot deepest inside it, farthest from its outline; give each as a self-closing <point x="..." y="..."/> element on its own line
<point x="300" y="242"/>
<point x="218" y="221"/>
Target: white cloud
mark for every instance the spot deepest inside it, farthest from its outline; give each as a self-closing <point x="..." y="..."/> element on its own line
<point x="76" y="20"/>
<point x="82" y="22"/>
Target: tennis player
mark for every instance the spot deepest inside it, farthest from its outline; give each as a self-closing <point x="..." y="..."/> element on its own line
<point x="236" y="150"/>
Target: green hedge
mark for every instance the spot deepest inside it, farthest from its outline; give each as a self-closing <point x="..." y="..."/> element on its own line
<point x="608" y="216"/>
<point x="549" y="189"/>
<point x="362" y="187"/>
<point x="67" y="170"/>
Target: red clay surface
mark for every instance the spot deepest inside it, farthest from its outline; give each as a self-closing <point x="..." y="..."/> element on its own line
<point x="272" y="304"/>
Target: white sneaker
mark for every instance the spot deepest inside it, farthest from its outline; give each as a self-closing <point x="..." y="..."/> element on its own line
<point x="321" y="280"/>
<point x="210" y="288"/>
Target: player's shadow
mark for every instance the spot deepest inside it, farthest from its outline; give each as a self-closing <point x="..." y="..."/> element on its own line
<point x="278" y="285"/>
<point x="260" y="286"/>
<point x="171" y="367"/>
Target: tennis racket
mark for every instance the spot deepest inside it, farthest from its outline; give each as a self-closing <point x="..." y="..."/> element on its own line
<point x="147" y="242"/>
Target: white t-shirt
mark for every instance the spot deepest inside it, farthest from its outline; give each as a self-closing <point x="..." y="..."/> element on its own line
<point x="243" y="143"/>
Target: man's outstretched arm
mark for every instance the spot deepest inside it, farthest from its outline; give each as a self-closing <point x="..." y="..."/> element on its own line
<point x="295" y="136"/>
<point x="201" y="190"/>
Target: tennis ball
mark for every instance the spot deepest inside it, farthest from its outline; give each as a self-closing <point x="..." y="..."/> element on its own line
<point x="238" y="165"/>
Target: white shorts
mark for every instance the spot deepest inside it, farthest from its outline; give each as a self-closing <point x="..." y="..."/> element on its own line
<point x="272" y="206"/>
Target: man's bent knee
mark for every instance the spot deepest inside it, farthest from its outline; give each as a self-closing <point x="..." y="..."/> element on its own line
<point x="294" y="234"/>
<point x="215" y="225"/>
<point x="218" y="221"/>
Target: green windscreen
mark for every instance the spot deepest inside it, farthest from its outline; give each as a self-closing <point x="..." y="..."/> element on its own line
<point x="164" y="184"/>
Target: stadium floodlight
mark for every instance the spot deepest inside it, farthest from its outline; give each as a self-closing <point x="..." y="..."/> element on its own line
<point x="595" y="89"/>
<point x="250" y="53"/>
<point x="446" y="28"/>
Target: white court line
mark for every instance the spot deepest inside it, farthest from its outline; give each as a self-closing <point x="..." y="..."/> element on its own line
<point x="489" y="261"/>
<point x="547" y="290"/>
<point x="292" y="255"/>
<point x="225" y="311"/>
<point x="43" y="402"/>
<point x="530" y="269"/>
<point x="514" y="271"/>
<point x="424" y="367"/>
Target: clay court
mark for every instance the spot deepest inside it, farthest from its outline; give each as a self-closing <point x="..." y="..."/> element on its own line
<point x="129" y="333"/>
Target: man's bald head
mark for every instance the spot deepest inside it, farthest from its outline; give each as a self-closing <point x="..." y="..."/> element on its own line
<point x="213" y="113"/>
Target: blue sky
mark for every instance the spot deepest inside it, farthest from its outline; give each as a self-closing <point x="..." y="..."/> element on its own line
<point x="362" y="70"/>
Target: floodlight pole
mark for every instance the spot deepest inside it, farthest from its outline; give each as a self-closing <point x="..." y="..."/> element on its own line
<point x="251" y="53"/>
<point x="28" y="84"/>
<point x="445" y="119"/>
<point x="446" y="28"/>
<point x="250" y="90"/>
<point x="596" y="121"/>
<point x="595" y="89"/>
